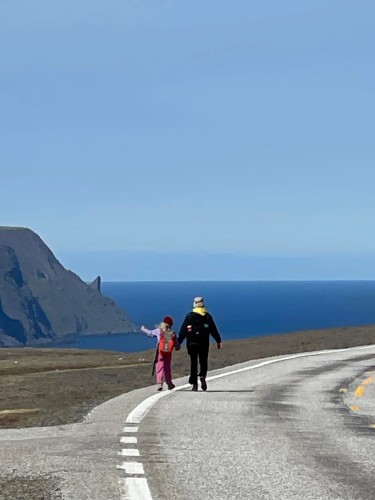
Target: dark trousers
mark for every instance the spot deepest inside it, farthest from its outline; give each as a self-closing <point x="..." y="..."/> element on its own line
<point x="197" y="352"/>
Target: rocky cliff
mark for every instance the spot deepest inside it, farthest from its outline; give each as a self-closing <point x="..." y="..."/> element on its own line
<point x="41" y="301"/>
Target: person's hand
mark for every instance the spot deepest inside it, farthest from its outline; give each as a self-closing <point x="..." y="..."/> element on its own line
<point x="143" y="328"/>
<point x="218" y="345"/>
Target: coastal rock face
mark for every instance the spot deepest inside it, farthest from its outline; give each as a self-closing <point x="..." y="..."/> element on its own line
<point x="41" y="301"/>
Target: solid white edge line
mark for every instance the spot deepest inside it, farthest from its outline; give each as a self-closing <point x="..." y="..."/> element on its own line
<point x="137" y="414"/>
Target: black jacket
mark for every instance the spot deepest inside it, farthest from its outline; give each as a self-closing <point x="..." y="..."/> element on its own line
<point x="197" y="329"/>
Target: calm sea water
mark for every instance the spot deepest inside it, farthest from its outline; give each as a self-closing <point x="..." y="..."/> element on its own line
<point x="240" y="309"/>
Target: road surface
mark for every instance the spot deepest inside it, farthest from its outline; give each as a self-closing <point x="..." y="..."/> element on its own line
<point x="292" y="427"/>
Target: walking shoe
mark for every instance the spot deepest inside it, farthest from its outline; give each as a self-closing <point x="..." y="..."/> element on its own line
<point x="171" y="386"/>
<point x="195" y="387"/>
<point x="160" y="388"/>
<point x="203" y="384"/>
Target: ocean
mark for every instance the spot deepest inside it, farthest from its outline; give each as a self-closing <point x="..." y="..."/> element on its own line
<point x="240" y="309"/>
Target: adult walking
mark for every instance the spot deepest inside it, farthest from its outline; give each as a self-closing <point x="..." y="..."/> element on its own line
<point x="197" y="327"/>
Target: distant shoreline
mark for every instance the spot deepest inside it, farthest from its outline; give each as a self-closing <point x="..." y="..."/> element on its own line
<point x="72" y="341"/>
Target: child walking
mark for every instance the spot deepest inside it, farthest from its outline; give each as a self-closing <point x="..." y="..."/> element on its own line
<point x="167" y="341"/>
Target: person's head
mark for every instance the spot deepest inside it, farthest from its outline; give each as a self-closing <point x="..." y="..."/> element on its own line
<point x="198" y="302"/>
<point x="168" y="321"/>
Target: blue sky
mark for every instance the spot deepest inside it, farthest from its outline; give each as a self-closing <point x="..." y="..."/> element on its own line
<point x="191" y="140"/>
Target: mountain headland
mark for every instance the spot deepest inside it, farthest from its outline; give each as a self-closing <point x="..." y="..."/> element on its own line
<point x="42" y="302"/>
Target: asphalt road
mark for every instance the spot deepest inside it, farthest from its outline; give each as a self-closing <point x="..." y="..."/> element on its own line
<point x="301" y="428"/>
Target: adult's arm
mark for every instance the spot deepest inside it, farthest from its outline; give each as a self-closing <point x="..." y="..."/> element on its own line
<point x="183" y="330"/>
<point x="213" y="329"/>
<point x="176" y="343"/>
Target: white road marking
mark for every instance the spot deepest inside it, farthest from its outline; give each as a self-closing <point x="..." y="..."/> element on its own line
<point x="134" y="490"/>
<point x="129" y="452"/>
<point x="140" y="411"/>
<point x="130" y="429"/>
<point x="128" y="439"/>
<point x="132" y="467"/>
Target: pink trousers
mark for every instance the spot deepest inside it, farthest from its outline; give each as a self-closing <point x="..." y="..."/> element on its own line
<point x="163" y="367"/>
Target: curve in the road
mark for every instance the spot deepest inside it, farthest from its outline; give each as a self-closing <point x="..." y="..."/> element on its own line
<point x="134" y="485"/>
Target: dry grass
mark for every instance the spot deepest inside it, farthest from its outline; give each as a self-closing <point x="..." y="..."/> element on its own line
<point x="57" y="386"/>
<point x="40" y="387"/>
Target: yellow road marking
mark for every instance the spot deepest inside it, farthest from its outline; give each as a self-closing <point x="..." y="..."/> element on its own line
<point x="368" y="381"/>
<point x="358" y="393"/>
<point x="354" y="407"/>
<point x="372" y="426"/>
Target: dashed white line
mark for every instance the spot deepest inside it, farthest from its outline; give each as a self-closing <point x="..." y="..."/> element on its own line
<point x="129" y="452"/>
<point x="128" y="439"/>
<point x="130" y="429"/>
<point x="132" y="468"/>
<point x="135" y="488"/>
